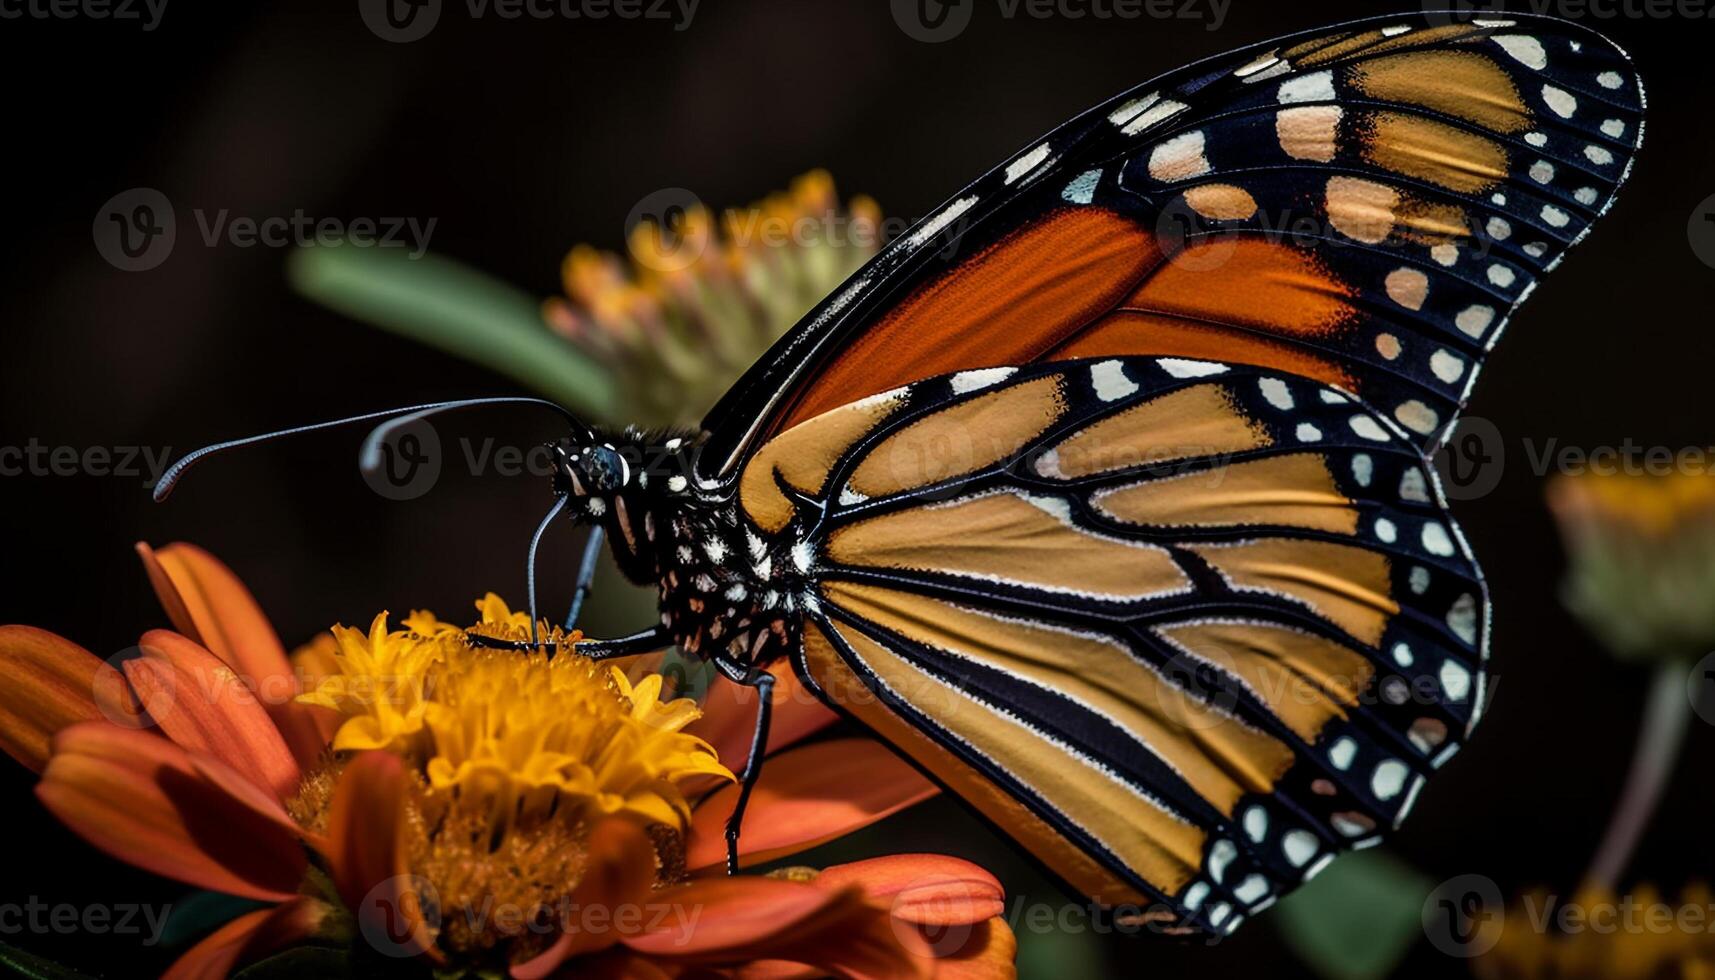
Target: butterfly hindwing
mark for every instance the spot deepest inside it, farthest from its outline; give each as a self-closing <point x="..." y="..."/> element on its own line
<point x="1363" y="206"/>
<point x="1183" y="629"/>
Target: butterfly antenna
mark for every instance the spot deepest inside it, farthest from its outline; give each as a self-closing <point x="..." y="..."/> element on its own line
<point x="530" y="565"/>
<point x="370" y="456"/>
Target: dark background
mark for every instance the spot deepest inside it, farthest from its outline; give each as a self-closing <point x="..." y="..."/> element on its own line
<point x="522" y="137"/>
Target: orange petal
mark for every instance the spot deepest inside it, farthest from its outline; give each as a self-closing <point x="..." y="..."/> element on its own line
<point x="368" y="852"/>
<point x="201" y="704"/>
<point x="51" y="683"/>
<point x="210" y="604"/>
<point x="249" y="938"/>
<point x="140" y="798"/>
<point x="743" y="919"/>
<point x="729" y="716"/>
<point x="806" y="797"/>
<point x="245" y="792"/>
<point x="926" y="889"/>
<point x="620" y="872"/>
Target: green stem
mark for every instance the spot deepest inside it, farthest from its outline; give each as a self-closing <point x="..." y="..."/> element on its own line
<point x="1667" y="716"/>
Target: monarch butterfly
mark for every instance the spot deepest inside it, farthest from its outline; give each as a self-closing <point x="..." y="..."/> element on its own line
<point x="1101" y="494"/>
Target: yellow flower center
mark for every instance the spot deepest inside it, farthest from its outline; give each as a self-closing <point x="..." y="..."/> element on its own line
<point x="518" y="737"/>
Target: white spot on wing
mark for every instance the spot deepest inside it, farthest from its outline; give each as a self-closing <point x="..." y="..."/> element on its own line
<point x="1110" y="382"/>
<point x="980" y="378"/>
<point x="1275" y="392"/>
<point x="1436" y="541"/>
<point x="1164" y="109"/>
<point x="1527" y="50"/>
<point x="1026" y="163"/>
<point x="1389" y="779"/>
<point x="1446" y="366"/>
<point x="1180" y="367"/>
<point x="1179" y="158"/>
<point x="948" y="215"/>
<point x="1082" y="189"/>
<point x="1475" y="319"/>
<point x="1561" y="101"/>
<point x="1128" y="110"/>
<point x="1315" y="87"/>
<point x="1455" y="680"/>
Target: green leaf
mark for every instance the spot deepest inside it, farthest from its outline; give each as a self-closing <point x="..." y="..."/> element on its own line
<point x="202" y="912"/>
<point x="17" y="963"/>
<point x="451" y="306"/>
<point x="1358" y="918"/>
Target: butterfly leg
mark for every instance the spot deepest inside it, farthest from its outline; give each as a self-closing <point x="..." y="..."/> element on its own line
<point x="586" y="574"/>
<point x="763" y="682"/>
<point x="645" y="641"/>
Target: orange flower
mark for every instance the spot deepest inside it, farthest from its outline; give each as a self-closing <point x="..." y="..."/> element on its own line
<point x="239" y="790"/>
<point x="696" y="301"/>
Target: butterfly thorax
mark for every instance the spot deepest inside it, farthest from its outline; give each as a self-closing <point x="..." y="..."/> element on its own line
<point x="721" y="587"/>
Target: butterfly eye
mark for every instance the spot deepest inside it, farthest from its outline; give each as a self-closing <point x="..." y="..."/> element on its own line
<point x="599" y="469"/>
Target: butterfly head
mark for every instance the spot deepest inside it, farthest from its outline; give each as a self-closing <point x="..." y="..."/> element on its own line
<point x="582" y="469"/>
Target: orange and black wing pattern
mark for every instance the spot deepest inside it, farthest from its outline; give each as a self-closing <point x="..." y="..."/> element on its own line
<point x="1364" y="206"/>
<point x="1106" y="482"/>
<point x="1184" y="630"/>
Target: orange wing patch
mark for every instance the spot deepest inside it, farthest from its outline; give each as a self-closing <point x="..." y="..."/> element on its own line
<point x="1295" y="490"/>
<point x="959" y="440"/>
<point x="1345" y="585"/>
<point x="1004" y="305"/>
<point x="1307" y="681"/>
<point x="1155" y="844"/>
<point x="1006" y="537"/>
<point x="1239" y="300"/>
<point x="803" y="455"/>
<point x="1200" y="420"/>
<point x="1218" y="756"/>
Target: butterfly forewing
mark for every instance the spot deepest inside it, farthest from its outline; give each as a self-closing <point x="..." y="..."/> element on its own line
<point x="1183" y="629"/>
<point x="1364" y="206"/>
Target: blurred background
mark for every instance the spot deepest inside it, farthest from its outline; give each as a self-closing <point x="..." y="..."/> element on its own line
<point x="519" y="137"/>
